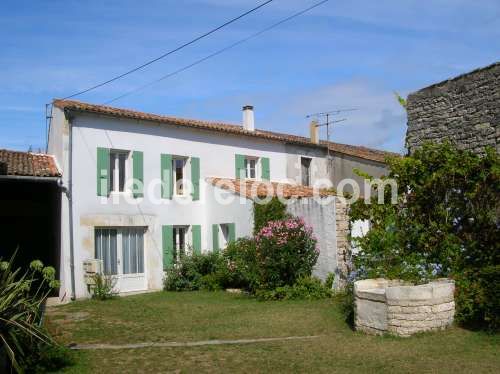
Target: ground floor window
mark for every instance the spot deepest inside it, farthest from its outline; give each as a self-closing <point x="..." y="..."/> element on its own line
<point x="179" y="244"/>
<point x="120" y="249"/>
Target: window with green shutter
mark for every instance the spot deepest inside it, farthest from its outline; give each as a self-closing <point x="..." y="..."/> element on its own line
<point x="168" y="246"/>
<point x="195" y="177"/>
<point x="102" y="171"/>
<point x="196" y="233"/>
<point x="138" y="174"/>
<point x="266" y="172"/>
<point x="167" y="182"/>
<point x="239" y="161"/>
<point x="215" y="237"/>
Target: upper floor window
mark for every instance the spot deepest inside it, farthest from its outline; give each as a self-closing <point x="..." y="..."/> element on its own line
<point x="305" y="170"/>
<point x="118" y="167"/>
<point x="179" y="170"/>
<point x="251" y="167"/>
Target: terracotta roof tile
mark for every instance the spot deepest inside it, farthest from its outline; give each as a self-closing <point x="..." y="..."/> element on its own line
<point x="352" y="150"/>
<point x="252" y="189"/>
<point x="27" y="164"/>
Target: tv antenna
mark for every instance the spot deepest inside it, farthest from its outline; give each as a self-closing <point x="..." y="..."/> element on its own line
<point x="329" y="123"/>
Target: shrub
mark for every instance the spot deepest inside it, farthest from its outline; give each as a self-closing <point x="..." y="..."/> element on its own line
<point x="239" y="267"/>
<point x="444" y="224"/>
<point x="274" y="210"/>
<point x="188" y="273"/>
<point x="21" y="298"/>
<point x="43" y="358"/>
<point x="477" y="298"/>
<point x="103" y="287"/>
<point x="285" y="251"/>
<point x="306" y="288"/>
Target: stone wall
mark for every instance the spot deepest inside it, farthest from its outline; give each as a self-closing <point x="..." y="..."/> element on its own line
<point x="397" y="308"/>
<point x="464" y="110"/>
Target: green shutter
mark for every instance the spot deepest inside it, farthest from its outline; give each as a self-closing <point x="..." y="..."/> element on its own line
<point x="215" y="237"/>
<point x="195" y="177"/>
<point x="167" y="182"/>
<point x="138" y="173"/>
<point x="196" y="232"/>
<point x="168" y="245"/>
<point x="266" y="172"/>
<point x="239" y="161"/>
<point x="102" y="171"/>
<point x="232" y="232"/>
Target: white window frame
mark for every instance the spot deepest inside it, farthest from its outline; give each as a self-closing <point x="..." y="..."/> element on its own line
<point x="248" y="169"/>
<point x="115" y="188"/>
<point x="187" y="241"/>
<point x="310" y="173"/>
<point x="185" y="176"/>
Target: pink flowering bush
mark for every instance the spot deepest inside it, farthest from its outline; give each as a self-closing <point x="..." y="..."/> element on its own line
<point x="286" y="250"/>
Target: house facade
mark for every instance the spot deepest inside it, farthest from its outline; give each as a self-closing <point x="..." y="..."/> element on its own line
<point x="141" y="191"/>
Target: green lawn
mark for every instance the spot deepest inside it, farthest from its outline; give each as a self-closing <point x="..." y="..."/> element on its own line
<point x="195" y="316"/>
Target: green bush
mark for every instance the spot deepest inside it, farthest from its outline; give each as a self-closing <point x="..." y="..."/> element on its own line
<point x="445" y="223"/>
<point x="286" y="251"/>
<point x="239" y="268"/>
<point x="188" y="273"/>
<point x="477" y="298"/>
<point x="21" y="297"/>
<point x="103" y="287"/>
<point x="274" y="210"/>
<point x="43" y="358"/>
<point x="306" y="288"/>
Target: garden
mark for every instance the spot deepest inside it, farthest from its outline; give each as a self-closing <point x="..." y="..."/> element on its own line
<point x="277" y="315"/>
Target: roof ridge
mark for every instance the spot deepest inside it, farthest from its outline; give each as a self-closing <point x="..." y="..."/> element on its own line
<point x="364" y="152"/>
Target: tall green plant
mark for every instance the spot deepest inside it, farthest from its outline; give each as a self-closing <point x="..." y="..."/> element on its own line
<point x="21" y="297"/>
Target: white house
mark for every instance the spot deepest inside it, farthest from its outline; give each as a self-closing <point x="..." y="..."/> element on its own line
<point x="141" y="190"/>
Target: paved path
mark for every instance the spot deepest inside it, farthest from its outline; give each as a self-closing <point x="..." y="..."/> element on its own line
<point x="187" y="344"/>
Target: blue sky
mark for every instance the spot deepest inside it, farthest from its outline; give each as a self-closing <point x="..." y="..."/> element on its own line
<point x="343" y="54"/>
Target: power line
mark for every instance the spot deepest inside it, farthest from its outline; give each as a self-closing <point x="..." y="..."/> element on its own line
<point x="197" y="62"/>
<point x="169" y="52"/>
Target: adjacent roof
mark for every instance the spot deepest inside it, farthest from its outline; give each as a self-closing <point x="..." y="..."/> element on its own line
<point x="27" y="164"/>
<point x="252" y="189"/>
<point x="356" y="151"/>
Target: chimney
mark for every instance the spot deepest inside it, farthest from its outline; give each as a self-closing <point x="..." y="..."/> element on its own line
<point x="314" y="130"/>
<point x="248" y="120"/>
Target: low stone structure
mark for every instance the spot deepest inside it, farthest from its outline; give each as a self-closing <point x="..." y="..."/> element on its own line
<point x="399" y="308"/>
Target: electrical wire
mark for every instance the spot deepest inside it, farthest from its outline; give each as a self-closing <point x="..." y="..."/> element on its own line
<point x="197" y="62"/>
<point x="169" y="52"/>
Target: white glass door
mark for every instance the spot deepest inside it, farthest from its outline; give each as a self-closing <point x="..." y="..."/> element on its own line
<point x="122" y="253"/>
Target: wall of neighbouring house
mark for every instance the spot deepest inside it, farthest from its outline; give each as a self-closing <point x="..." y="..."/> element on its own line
<point x="344" y="166"/>
<point x="464" y="110"/>
<point x="321" y="167"/>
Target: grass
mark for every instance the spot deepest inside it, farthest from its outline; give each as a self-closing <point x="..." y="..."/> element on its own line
<point x="194" y="316"/>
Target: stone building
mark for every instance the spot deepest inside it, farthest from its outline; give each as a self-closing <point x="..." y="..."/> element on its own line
<point x="464" y="110"/>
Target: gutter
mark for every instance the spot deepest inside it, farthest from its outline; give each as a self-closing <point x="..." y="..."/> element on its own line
<point x="29" y="178"/>
<point x="69" y="194"/>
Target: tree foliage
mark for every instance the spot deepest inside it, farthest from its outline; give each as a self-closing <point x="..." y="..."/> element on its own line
<point x="445" y="223"/>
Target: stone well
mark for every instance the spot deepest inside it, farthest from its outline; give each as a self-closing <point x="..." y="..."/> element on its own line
<point x="399" y="308"/>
